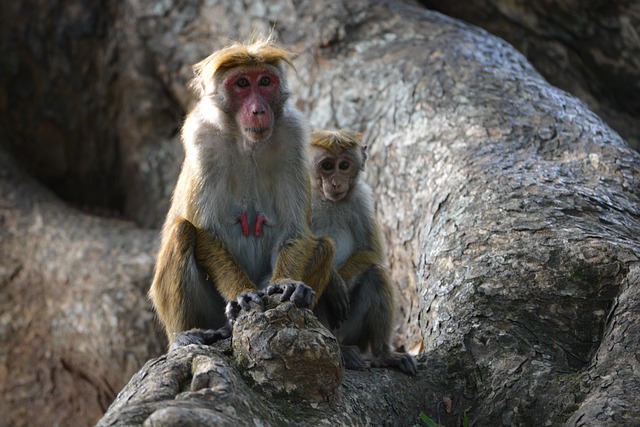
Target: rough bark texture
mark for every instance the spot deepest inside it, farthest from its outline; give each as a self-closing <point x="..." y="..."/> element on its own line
<point x="87" y="102"/>
<point x="166" y="392"/>
<point x="286" y="350"/>
<point x="75" y="322"/>
<point x="591" y="49"/>
<point x="510" y="210"/>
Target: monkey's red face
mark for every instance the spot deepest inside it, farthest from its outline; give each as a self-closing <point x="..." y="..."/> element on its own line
<point x="253" y="92"/>
<point x="334" y="175"/>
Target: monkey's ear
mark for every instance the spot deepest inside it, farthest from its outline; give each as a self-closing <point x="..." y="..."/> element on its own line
<point x="198" y="86"/>
<point x="364" y="156"/>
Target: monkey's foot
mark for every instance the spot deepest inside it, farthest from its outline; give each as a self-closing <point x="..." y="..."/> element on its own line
<point x="199" y="337"/>
<point x="353" y="358"/>
<point x="403" y="361"/>
<point x="296" y="292"/>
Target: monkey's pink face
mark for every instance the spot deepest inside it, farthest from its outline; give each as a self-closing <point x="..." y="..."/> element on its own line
<point x="335" y="174"/>
<point x="253" y="92"/>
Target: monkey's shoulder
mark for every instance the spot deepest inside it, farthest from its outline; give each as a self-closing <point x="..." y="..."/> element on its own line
<point x="293" y="118"/>
<point x="204" y="118"/>
<point x="362" y="196"/>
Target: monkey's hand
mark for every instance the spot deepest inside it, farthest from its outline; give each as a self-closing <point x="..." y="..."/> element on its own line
<point x="243" y="302"/>
<point x="296" y="292"/>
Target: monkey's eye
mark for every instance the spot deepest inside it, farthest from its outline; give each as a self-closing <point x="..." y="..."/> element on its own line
<point x="327" y="165"/>
<point x="344" y="165"/>
<point x="264" y="81"/>
<point x="242" y="82"/>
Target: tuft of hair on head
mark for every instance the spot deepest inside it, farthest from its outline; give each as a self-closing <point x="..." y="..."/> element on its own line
<point x="259" y="50"/>
<point x="336" y="141"/>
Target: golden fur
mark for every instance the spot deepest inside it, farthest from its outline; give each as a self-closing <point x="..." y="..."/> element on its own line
<point x="336" y="141"/>
<point x="257" y="52"/>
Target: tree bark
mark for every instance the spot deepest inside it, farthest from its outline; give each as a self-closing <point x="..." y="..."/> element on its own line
<point x="590" y="49"/>
<point x="75" y="321"/>
<point x="510" y="212"/>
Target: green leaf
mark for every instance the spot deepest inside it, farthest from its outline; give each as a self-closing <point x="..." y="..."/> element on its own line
<point x="428" y="421"/>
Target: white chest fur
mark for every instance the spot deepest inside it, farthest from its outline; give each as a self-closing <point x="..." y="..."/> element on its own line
<point x="335" y="220"/>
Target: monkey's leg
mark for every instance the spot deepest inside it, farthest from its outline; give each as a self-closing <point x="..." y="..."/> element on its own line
<point x="183" y="297"/>
<point x="351" y="335"/>
<point x="383" y="355"/>
<point x="370" y="323"/>
<point x="352" y="356"/>
<point x="333" y="308"/>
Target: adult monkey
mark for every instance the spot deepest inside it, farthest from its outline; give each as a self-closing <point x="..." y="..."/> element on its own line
<point x="342" y="208"/>
<point x="239" y="216"/>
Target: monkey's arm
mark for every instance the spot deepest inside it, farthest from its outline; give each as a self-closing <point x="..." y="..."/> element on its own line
<point x="310" y="260"/>
<point x="357" y="263"/>
<point x="369" y="251"/>
<point x="307" y="259"/>
<point x="171" y="271"/>
<point x="216" y="260"/>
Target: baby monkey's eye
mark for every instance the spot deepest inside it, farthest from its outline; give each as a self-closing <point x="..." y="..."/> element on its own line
<point x="327" y="165"/>
<point x="344" y="165"/>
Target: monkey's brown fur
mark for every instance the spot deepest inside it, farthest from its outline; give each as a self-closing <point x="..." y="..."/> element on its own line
<point x="335" y="141"/>
<point x="342" y="208"/>
<point x="260" y="51"/>
<point x="246" y="163"/>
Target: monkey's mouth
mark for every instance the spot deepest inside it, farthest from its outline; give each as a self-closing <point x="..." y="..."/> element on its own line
<point x="336" y="197"/>
<point x="258" y="133"/>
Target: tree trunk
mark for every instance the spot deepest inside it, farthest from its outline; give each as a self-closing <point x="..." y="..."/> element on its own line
<point x="511" y="214"/>
<point x="591" y="49"/>
<point x="75" y="319"/>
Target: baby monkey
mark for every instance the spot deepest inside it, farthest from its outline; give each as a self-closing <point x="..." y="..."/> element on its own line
<point x="342" y="208"/>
